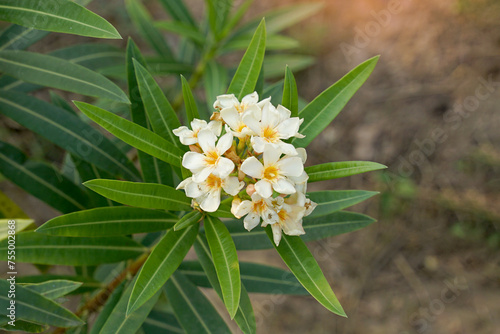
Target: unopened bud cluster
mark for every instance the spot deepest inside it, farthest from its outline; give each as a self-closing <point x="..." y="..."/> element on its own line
<point x="252" y="153"/>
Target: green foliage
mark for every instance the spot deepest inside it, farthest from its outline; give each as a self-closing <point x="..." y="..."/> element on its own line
<point x="130" y="258"/>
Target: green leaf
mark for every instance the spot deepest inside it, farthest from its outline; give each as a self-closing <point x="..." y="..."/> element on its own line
<point x="237" y="17"/>
<point x="290" y="94"/>
<point x="244" y="316"/>
<point x="178" y="11"/>
<point x="54" y="289"/>
<point x="189" y="219"/>
<point x="215" y="82"/>
<point x="144" y="23"/>
<point x="246" y="75"/>
<point x="273" y="42"/>
<point x="143" y="195"/>
<point x="58" y="16"/>
<point x="189" y="101"/>
<point x="193" y="310"/>
<point x="31" y="306"/>
<point x="20" y="225"/>
<point x="226" y="262"/>
<point x="185" y="30"/>
<point x="160" y="66"/>
<point x="161" y="264"/>
<point x="282" y="18"/>
<point x="122" y="322"/>
<point x="334" y="200"/>
<point x="58" y="73"/>
<point x="335" y="170"/>
<point x="326" y="106"/>
<point x="103" y="222"/>
<point x="160" y="113"/>
<point x="108" y="308"/>
<point x="273" y="64"/>
<point x="87" y="284"/>
<point x="316" y="228"/>
<point x="16" y="37"/>
<point x="66" y="131"/>
<point x="159" y="322"/>
<point x="133" y="134"/>
<point x="154" y="170"/>
<point x="24" y="326"/>
<point x="275" y="91"/>
<point x="301" y="262"/>
<point x="37" y="248"/>
<point x="257" y="278"/>
<point x="41" y="180"/>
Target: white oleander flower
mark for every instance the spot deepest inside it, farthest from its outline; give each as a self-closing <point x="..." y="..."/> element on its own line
<point x="289" y="219"/>
<point x="208" y="193"/>
<point x="300" y="199"/>
<point x="211" y="160"/>
<point x="272" y="125"/>
<point x="300" y="181"/>
<point x="274" y="173"/>
<point x="229" y="101"/>
<point x="190" y="137"/>
<point x="254" y="210"/>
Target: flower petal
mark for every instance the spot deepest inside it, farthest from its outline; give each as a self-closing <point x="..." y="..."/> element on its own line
<point x="194" y="190"/>
<point x="198" y="124"/>
<point x="283" y="113"/>
<point x="193" y="161"/>
<point x="251" y="220"/>
<point x="250" y="98"/>
<point x="276" y="233"/>
<point x="271" y="155"/>
<point x="203" y="174"/>
<point x="242" y="209"/>
<point x="288" y="128"/>
<point x="224" y="167"/>
<point x="270" y="116"/>
<point x="253" y="167"/>
<point x="250" y="119"/>
<point x="291" y="166"/>
<point x="225" y="101"/>
<point x="211" y="202"/>
<point x="232" y="117"/>
<point x="206" y="139"/>
<point x="225" y="143"/>
<point x="258" y="144"/>
<point x="232" y="185"/>
<point x="264" y="188"/>
<point x="283" y="186"/>
<point x="215" y="127"/>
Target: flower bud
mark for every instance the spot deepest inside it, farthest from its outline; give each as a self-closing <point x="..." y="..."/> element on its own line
<point x="250" y="189"/>
<point x="195" y="148"/>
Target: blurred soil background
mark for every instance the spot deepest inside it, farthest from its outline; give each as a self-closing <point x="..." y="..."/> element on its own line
<point x="431" y="263"/>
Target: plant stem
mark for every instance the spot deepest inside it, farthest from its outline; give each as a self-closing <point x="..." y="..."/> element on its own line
<point x="100" y="299"/>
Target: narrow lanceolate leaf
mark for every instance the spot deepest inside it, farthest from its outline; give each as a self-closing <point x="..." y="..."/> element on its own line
<point x="246" y="75"/>
<point x="215" y="80"/>
<point x="143" y="195"/>
<point x="66" y="131"/>
<point x="161" y="322"/>
<point x="160" y="113"/>
<point x="41" y="180"/>
<point x="86" y="284"/>
<point x="17" y="37"/>
<point x="257" y="278"/>
<point x="58" y="16"/>
<point x="92" y="56"/>
<point x="161" y="264"/>
<point x="301" y="262"/>
<point x="178" y="11"/>
<point x="334" y="200"/>
<point x="290" y="94"/>
<point x="20" y="225"/>
<point x="189" y="219"/>
<point x="32" y="247"/>
<point x="109" y="221"/>
<point x="335" y="170"/>
<point x="153" y="170"/>
<point x="316" y="228"/>
<point x="326" y="106"/>
<point x="122" y="322"/>
<point x="226" y="262"/>
<point x="273" y="42"/>
<point x="54" y="289"/>
<point x="22" y="326"/>
<point x="31" y="306"/>
<point x="244" y="317"/>
<point x="133" y="134"/>
<point x="106" y="311"/>
<point x="58" y="73"/>
<point x="189" y="101"/>
<point x="193" y="310"/>
<point x="144" y="23"/>
<point x="184" y="30"/>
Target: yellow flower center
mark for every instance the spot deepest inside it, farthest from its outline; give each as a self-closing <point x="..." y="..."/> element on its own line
<point x="270" y="134"/>
<point x="213" y="182"/>
<point x="241" y="107"/>
<point x="241" y="126"/>
<point x="212" y="157"/>
<point x="271" y="173"/>
<point x="195" y="133"/>
<point x="283" y="215"/>
<point x="259" y="206"/>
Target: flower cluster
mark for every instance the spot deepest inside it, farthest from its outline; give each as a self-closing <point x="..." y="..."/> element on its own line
<point x="252" y="152"/>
